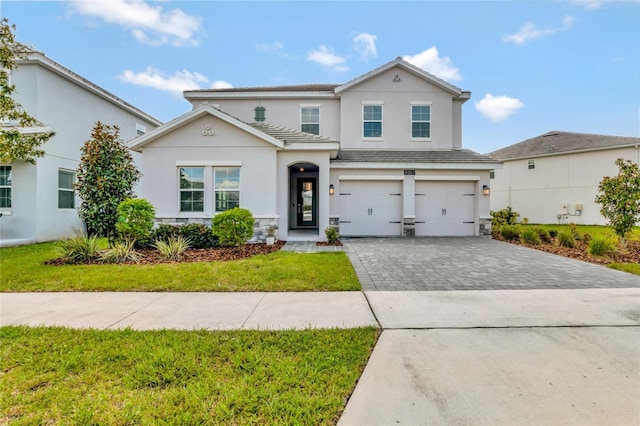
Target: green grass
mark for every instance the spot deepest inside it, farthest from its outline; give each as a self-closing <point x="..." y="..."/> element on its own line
<point x="592" y="230"/>
<point x="632" y="268"/>
<point x="63" y="376"/>
<point x="23" y="269"/>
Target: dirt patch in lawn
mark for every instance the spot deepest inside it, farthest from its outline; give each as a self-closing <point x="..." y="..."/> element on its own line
<point x="630" y="254"/>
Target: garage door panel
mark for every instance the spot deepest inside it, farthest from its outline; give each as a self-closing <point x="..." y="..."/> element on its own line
<point x="370" y="208"/>
<point x="445" y="208"/>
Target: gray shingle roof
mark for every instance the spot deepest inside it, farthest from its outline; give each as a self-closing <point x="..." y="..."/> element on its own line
<point x="557" y="142"/>
<point x="287" y="135"/>
<point x="456" y="156"/>
<point x="320" y="87"/>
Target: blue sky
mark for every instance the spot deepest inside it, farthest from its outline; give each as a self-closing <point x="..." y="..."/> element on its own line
<point x="532" y="67"/>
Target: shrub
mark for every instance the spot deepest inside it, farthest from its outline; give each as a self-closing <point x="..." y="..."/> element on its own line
<point x="544" y="236"/>
<point x="573" y="230"/>
<point x="602" y="246"/>
<point x="199" y="235"/>
<point x="530" y="236"/>
<point x="553" y="233"/>
<point x="503" y="217"/>
<point x="164" y="232"/>
<point x="80" y="249"/>
<point x="233" y="227"/>
<point x="135" y="219"/>
<point x="509" y="232"/>
<point x="332" y="235"/>
<point x="120" y="252"/>
<point x="565" y="239"/>
<point x="173" y="248"/>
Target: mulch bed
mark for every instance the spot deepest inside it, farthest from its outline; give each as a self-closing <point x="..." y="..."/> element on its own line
<point x="153" y="257"/>
<point x="631" y="254"/>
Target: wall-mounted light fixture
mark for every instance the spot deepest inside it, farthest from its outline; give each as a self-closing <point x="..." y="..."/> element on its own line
<point x="486" y="190"/>
<point x="332" y="190"/>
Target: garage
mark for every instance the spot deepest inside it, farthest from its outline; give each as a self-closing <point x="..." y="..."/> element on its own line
<point x="370" y="208"/>
<point x="445" y="208"/>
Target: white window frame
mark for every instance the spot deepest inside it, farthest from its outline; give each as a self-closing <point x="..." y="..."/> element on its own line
<point x="181" y="190"/>
<point x="9" y="187"/>
<point x="302" y="122"/>
<point x="140" y="129"/>
<point x="72" y="189"/>
<point x="531" y="164"/>
<point x="218" y="190"/>
<point x="381" y="121"/>
<point x="411" y="120"/>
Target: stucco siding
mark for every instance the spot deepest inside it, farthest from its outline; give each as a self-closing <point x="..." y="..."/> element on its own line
<point x="541" y="194"/>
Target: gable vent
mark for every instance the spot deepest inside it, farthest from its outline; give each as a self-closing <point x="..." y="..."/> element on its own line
<point x="259" y="113"/>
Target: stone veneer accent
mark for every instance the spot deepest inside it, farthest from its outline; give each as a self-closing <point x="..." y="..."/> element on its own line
<point x="260" y="225"/>
<point x="485" y="226"/>
<point x="409" y="227"/>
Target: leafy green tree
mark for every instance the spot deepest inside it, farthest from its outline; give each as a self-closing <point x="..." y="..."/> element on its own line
<point x="619" y="197"/>
<point x="15" y="143"/>
<point x="106" y="176"/>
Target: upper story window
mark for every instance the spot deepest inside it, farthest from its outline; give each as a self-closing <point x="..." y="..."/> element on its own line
<point x="310" y="119"/>
<point x="372" y="121"/>
<point x="140" y="129"/>
<point x="492" y="174"/>
<point x="227" y="188"/>
<point x="420" y="121"/>
<point x="531" y="164"/>
<point x="191" y="189"/>
<point x="66" y="195"/>
<point x="5" y="187"/>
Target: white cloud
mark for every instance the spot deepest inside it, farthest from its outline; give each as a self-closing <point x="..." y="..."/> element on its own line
<point x="221" y="84"/>
<point x="430" y="61"/>
<point x="498" y="108"/>
<point x="275" y="48"/>
<point x="176" y="83"/>
<point x="529" y="32"/>
<point x="588" y="4"/>
<point x="365" y="44"/>
<point x="324" y="56"/>
<point x="148" y="24"/>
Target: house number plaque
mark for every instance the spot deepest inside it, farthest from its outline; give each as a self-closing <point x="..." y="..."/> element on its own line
<point x="409" y="172"/>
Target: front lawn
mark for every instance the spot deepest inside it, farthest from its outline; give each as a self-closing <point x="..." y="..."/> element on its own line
<point x="64" y="376"/>
<point x="22" y="269"/>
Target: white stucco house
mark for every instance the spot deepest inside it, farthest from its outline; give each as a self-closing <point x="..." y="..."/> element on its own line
<point x="554" y="177"/>
<point x="380" y="155"/>
<point x="37" y="202"/>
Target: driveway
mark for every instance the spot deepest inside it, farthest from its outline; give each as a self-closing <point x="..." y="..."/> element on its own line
<point x="442" y="264"/>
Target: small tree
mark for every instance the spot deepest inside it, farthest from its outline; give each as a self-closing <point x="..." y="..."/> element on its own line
<point x="15" y="143"/>
<point x="106" y="176"/>
<point x="620" y="197"/>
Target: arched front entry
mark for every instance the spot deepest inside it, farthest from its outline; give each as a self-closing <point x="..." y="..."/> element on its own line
<point x="303" y="197"/>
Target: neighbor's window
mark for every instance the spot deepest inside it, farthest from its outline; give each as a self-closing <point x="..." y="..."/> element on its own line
<point x="310" y="120"/>
<point x="421" y="121"/>
<point x="191" y="189"/>
<point x="372" y="121"/>
<point x="66" y="196"/>
<point x="531" y="164"/>
<point x="492" y="174"/>
<point x="5" y="187"/>
<point x="227" y="188"/>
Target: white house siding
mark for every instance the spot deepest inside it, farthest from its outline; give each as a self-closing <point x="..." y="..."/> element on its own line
<point x="69" y="106"/>
<point x="540" y="193"/>
<point x="229" y="146"/>
<point x="396" y="112"/>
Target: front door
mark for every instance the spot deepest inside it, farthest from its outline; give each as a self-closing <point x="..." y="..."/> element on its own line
<point x="306" y="202"/>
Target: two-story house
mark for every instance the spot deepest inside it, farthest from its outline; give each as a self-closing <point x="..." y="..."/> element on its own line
<point x="380" y="155"/>
<point x="37" y="202"/>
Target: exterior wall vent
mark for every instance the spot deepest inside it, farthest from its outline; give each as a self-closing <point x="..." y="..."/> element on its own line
<point x="259" y="113"/>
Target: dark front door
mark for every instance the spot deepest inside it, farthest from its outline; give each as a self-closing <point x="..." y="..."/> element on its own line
<point x="306" y="203"/>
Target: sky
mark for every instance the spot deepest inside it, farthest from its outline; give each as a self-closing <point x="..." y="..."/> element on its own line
<point x="531" y="66"/>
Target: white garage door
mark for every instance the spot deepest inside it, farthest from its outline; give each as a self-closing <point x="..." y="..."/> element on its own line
<point x="445" y="208"/>
<point x="370" y="208"/>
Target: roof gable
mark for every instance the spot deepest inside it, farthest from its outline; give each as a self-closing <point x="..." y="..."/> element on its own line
<point x="406" y="66"/>
<point x="203" y="110"/>
<point x="558" y="142"/>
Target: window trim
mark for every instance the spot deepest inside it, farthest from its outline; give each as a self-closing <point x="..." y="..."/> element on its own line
<point x="215" y="190"/>
<point x="310" y="106"/>
<point x="9" y="187"/>
<point x="411" y="121"/>
<point x="531" y="164"/>
<point x="72" y="189"/>
<point x="373" y="138"/>
<point x="181" y="190"/>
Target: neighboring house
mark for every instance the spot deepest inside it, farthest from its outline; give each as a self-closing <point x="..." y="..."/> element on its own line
<point x="380" y="155"/>
<point x="554" y="177"/>
<point x="37" y="202"/>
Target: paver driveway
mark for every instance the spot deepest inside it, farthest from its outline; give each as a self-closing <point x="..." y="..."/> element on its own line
<point x="471" y="264"/>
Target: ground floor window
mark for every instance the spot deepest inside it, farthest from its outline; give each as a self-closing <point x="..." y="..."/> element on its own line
<point x="66" y="195"/>
<point x="192" y="189"/>
<point x="227" y="188"/>
<point x="5" y="187"/>
<point x="196" y="183"/>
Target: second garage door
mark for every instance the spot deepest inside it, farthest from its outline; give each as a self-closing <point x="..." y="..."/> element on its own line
<point x="445" y="208"/>
<point x="370" y="208"/>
